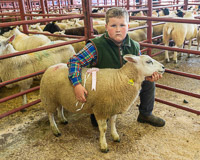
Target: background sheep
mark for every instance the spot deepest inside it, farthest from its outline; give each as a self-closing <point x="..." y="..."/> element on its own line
<point x="24" y="42"/>
<point x="79" y="31"/>
<point x="126" y="82"/>
<point x="179" y="32"/>
<point x="2" y="38"/>
<point x="77" y="46"/>
<point x="139" y="34"/>
<point x="52" y="27"/>
<point x="18" y="66"/>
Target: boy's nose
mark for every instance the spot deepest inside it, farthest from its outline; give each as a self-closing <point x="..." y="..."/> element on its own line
<point x="118" y="28"/>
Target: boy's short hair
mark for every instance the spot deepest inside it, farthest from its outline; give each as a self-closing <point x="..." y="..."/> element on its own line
<point x="116" y="12"/>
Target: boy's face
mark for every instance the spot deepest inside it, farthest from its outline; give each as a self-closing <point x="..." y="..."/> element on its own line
<point x="117" y="28"/>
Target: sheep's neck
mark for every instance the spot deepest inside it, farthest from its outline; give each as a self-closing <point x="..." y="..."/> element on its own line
<point x="9" y="49"/>
<point x="131" y="72"/>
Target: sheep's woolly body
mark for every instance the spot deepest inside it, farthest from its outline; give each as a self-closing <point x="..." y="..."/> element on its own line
<point x="100" y="28"/>
<point x="77" y="46"/>
<point x="179" y="32"/>
<point x="174" y="31"/>
<point x="14" y="67"/>
<point x="24" y="42"/>
<point x="116" y="90"/>
<point x="18" y="66"/>
<point x="2" y="38"/>
<point x="138" y="35"/>
<point x="116" y="81"/>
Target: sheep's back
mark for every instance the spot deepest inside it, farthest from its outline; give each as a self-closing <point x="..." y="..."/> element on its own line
<point x="46" y="58"/>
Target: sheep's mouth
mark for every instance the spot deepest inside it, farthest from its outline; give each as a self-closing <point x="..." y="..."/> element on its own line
<point x="161" y="72"/>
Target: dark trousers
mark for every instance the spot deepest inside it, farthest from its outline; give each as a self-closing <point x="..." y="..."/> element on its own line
<point x="147" y="98"/>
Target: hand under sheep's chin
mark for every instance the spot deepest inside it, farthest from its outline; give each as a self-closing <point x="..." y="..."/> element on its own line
<point x="155" y="76"/>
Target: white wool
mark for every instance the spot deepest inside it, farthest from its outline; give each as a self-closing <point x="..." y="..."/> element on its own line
<point x="18" y="66"/>
<point x="179" y="32"/>
<point x="116" y="91"/>
<point x="24" y="42"/>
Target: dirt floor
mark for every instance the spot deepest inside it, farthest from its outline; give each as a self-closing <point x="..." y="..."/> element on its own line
<point x="27" y="135"/>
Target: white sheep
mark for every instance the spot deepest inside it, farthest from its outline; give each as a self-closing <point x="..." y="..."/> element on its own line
<point x="100" y="28"/>
<point x="18" y="66"/>
<point x="116" y="91"/>
<point x="77" y="46"/>
<point x="2" y="38"/>
<point x="139" y="34"/>
<point x="179" y="32"/>
<point x="24" y="42"/>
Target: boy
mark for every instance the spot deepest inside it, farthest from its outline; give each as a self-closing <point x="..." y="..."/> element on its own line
<point x="107" y="51"/>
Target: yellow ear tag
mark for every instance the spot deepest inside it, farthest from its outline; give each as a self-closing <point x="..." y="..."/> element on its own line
<point x="131" y="82"/>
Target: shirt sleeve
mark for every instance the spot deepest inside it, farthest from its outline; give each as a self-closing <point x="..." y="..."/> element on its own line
<point x="85" y="57"/>
<point x="139" y="53"/>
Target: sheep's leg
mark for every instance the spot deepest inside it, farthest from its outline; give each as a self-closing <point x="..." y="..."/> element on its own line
<point x="175" y="55"/>
<point x="167" y="55"/>
<point x="181" y="47"/>
<point x="189" y="46"/>
<point x="114" y="133"/>
<point x="53" y="125"/>
<point x="24" y="99"/>
<point x="198" y="45"/>
<point x="102" y="128"/>
<point x="61" y="115"/>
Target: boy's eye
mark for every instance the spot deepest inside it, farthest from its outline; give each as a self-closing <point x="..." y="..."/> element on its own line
<point x="122" y="25"/>
<point x="113" y="25"/>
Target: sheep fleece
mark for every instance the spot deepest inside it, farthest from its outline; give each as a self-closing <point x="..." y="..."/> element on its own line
<point x="113" y="93"/>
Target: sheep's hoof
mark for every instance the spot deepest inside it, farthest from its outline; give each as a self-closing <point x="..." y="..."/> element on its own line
<point x="167" y="60"/>
<point x="105" y="150"/>
<point x="64" y="122"/>
<point x="175" y="61"/>
<point x="57" y="134"/>
<point x="117" y="140"/>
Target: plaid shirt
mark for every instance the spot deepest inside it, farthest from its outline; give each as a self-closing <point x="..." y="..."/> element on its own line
<point x="85" y="57"/>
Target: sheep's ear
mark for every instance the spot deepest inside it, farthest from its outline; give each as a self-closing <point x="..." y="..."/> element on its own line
<point x="12" y="27"/>
<point x="10" y="39"/>
<point x="131" y="58"/>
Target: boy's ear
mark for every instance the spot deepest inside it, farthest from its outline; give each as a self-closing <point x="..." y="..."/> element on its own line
<point x="131" y="58"/>
<point x="106" y="26"/>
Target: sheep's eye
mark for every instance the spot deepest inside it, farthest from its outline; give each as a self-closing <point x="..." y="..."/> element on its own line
<point x="150" y="61"/>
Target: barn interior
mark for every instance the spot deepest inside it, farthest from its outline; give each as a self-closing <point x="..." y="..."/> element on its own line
<point x="24" y="127"/>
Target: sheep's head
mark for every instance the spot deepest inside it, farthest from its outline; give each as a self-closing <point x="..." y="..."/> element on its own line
<point x="9" y="32"/>
<point x="4" y="44"/>
<point x="145" y="64"/>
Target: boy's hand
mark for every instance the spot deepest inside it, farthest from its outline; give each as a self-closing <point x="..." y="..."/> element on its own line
<point x="155" y="76"/>
<point x="80" y="93"/>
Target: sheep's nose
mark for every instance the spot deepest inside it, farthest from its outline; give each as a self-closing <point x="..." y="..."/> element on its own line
<point x="163" y="67"/>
